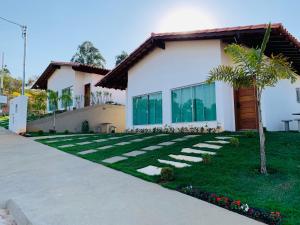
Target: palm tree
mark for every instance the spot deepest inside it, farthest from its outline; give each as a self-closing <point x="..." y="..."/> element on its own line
<point x="88" y="54"/>
<point x="53" y="103"/>
<point x="121" y="57"/>
<point x="253" y="69"/>
<point x="66" y="99"/>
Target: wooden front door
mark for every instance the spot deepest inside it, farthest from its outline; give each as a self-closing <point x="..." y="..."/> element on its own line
<point x="246" y="109"/>
<point x="87" y="95"/>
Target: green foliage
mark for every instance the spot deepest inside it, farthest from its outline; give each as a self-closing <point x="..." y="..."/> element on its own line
<point x="52" y="131"/>
<point x="206" y="158"/>
<point x="66" y="131"/>
<point x="40" y="132"/>
<point x="53" y="99"/>
<point x="85" y="127"/>
<point x="250" y="134"/>
<point x="121" y="57"/>
<point x="88" y="54"/>
<point x="235" y="142"/>
<point x="66" y="99"/>
<point x="167" y="174"/>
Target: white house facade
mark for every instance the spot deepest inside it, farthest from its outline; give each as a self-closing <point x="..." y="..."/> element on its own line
<point x="78" y="80"/>
<point x="166" y="85"/>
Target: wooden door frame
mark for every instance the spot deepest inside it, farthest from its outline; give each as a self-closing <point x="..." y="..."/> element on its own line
<point x="85" y="97"/>
<point x="237" y="123"/>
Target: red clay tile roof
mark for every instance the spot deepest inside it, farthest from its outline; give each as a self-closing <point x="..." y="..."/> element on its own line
<point x="281" y="41"/>
<point x="41" y="83"/>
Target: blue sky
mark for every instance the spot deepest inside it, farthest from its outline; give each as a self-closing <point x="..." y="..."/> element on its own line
<point x="57" y="27"/>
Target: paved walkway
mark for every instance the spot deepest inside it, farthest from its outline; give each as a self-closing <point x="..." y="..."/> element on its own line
<point x="54" y="188"/>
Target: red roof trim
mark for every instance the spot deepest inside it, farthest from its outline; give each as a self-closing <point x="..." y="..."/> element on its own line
<point x="117" y="78"/>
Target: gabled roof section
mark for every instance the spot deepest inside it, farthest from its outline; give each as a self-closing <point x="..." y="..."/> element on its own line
<point x="281" y="41"/>
<point x="41" y="83"/>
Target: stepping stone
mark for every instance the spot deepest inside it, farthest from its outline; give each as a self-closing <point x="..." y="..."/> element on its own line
<point x="84" y="143"/>
<point x="180" y="139"/>
<point x="167" y="143"/>
<point x="149" y="137"/>
<point x="204" y="145"/>
<point x="114" y="159"/>
<point x="150" y="170"/>
<point x="52" y="141"/>
<point x="218" y="142"/>
<point x="105" y="147"/>
<point x="151" y="148"/>
<point x="196" y="151"/>
<point x="100" y="140"/>
<point x="87" y="152"/>
<point x="162" y="135"/>
<point x="223" y="138"/>
<point x="186" y="158"/>
<point x="191" y="136"/>
<point x="137" y="140"/>
<point x="123" y="143"/>
<point x="66" y="146"/>
<point x="134" y="153"/>
<point x="82" y="138"/>
<point x="175" y="164"/>
<point x="113" y="138"/>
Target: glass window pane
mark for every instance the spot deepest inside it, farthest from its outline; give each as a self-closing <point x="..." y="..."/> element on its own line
<point x="198" y="103"/>
<point x="186" y="105"/>
<point x="176" y="106"/>
<point x="209" y="101"/>
<point x="135" y="110"/>
<point x="155" y="108"/>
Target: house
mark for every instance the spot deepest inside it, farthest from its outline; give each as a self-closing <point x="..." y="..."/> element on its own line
<point x="164" y="79"/>
<point x="79" y="80"/>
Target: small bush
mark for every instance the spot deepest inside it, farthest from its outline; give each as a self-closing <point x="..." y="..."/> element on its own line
<point x="51" y="131"/>
<point x="91" y="131"/>
<point x="167" y="174"/>
<point x="235" y="142"/>
<point x="40" y="132"/>
<point x="250" y="134"/>
<point x="206" y="158"/>
<point x="66" y="131"/>
<point x="85" y="127"/>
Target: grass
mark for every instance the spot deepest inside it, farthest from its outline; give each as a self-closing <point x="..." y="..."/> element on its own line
<point x="233" y="172"/>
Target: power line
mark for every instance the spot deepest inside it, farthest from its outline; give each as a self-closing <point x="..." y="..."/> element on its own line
<point x="10" y="21"/>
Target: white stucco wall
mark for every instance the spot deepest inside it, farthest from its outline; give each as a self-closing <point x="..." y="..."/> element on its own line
<point x="66" y="77"/>
<point x="278" y="103"/>
<point x="180" y="64"/>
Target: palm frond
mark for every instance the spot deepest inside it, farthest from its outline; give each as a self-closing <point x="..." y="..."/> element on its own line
<point x="265" y="42"/>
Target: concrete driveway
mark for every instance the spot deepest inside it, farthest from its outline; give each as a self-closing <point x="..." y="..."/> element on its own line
<point x="54" y="188"/>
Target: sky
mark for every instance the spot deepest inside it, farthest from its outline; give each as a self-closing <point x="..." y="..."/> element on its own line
<point x="57" y="27"/>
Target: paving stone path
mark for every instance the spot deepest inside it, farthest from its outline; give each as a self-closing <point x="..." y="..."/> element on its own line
<point x="66" y="146"/>
<point x="151" y="148"/>
<point x="197" y="151"/>
<point x="114" y="159"/>
<point x="186" y="158"/>
<point x="175" y="164"/>
<point x="218" y="142"/>
<point x="134" y="153"/>
<point x="150" y="170"/>
<point x="84" y="143"/>
<point x="87" y="152"/>
<point x="105" y="147"/>
<point x="204" y="145"/>
<point x="167" y="143"/>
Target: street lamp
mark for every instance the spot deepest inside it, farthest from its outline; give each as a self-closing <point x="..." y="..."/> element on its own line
<point x="24" y="36"/>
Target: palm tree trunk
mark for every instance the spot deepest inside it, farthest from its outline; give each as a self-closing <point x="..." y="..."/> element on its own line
<point x="263" y="164"/>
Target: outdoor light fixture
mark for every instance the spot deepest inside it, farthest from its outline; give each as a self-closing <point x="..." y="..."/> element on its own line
<point x="24" y="36"/>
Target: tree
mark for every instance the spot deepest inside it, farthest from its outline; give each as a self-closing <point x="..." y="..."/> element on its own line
<point x="88" y="54"/>
<point x="253" y="69"/>
<point x="53" y="103"/>
<point x="121" y="57"/>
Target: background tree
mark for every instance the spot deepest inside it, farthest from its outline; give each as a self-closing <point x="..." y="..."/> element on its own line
<point x="53" y="103"/>
<point x="253" y="69"/>
<point x="88" y="54"/>
<point x="121" y="57"/>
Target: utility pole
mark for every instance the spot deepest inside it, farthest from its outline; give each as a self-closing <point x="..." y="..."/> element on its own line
<point x="24" y="36"/>
<point x="2" y="74"/>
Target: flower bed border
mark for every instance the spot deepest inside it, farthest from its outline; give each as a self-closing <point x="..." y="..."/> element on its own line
<point x="271" y="218"/>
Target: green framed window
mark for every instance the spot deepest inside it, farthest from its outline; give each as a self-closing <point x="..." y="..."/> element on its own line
<point x="52" y="104"/>
<point x="194" y="103"/>
<point x="147" y="109"/>
<point x="67" y="97"/>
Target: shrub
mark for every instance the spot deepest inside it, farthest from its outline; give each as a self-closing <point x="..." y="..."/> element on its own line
<point x="206" y="158"/>
<point x="250" y="134"/>
<point x="235" y="142"/>
<point x="66" y="131"/>
<point x="40" y="132"/>
<point x="91" y="131"/>
<point x="167" y="174"/>
<point x="51" y="131"/>
<point x="85" y="128"/>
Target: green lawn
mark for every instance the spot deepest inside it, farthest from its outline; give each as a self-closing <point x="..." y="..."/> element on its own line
<point x="233" y="172"/>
